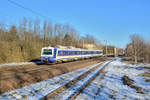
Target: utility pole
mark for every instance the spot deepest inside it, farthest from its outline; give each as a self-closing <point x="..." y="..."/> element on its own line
<point x="106" y="47"/>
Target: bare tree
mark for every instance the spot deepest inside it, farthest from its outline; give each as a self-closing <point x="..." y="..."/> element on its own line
<point x="45" y="33"/>
<point x="50" y="32"/>
<point x="137" y="43"/>
<point x="138" y="49"/>
<point x="13" y="34"/>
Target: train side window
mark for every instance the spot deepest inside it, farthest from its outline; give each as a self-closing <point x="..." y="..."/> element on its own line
<point x="71" y="52"/>
<point x="68" y="53"/>
<point x="76" y="53"/>
<point x="61" y="53"/>
<point x="65" y="53"/>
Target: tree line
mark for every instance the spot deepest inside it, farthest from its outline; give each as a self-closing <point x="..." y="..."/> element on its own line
<point x="23" y="41"/>
<point x="138" y="49"/>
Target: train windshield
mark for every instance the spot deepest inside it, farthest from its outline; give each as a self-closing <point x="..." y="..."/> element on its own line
<point x="47" y="52"/>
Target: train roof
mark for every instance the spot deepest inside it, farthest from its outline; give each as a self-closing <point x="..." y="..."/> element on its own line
<point x="69" y="48"/>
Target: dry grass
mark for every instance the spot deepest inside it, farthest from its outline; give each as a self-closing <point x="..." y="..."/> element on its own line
<point x="130" y="82"/>
<point x="146" y="74"/>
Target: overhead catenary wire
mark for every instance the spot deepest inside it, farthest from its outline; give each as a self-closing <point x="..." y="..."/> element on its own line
<point x="27" y="9"/>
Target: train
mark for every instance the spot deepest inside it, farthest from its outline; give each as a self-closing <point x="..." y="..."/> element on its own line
<point x="61" y="53"/>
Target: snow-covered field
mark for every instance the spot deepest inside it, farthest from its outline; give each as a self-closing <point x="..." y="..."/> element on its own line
<point x="112" y="87"/>
<point x="19" y="63"/>
<point x="38" y="90"/>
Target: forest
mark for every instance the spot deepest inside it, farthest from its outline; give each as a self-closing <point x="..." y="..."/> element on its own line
<point x="23" y="42"/>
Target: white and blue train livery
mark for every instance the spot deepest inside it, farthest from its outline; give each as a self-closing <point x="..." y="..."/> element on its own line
<point x="54" y="54"/>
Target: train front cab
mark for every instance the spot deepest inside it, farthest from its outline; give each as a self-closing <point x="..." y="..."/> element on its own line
<point x="48" y="55"/>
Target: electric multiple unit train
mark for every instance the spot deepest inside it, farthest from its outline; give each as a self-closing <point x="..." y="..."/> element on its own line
<point x="55" y="54"/>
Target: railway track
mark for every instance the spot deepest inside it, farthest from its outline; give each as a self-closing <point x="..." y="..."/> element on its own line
<point x="71" y="89"/>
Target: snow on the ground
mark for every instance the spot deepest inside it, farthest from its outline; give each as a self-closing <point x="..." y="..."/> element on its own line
<point x="146" y="65"/>
<point x="64" y="95"/>
<point x="112" y="87"/>
<point x="38" y="90"/>
<point x="19" y="63"/>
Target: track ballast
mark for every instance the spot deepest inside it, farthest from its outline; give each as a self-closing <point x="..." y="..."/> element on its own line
<point x="71" y="89"/>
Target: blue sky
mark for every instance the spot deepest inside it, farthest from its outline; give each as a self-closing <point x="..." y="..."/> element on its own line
<point x="112" y="20"/>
